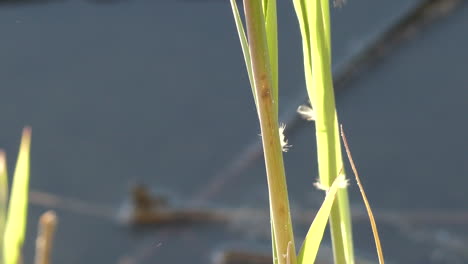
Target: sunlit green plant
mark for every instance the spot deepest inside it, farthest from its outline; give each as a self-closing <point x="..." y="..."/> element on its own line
<point x="13" y="217"/>
<point x="314" y="22"/>
<point x="260" y="51"/>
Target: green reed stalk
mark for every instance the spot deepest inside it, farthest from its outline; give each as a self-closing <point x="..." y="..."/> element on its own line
<point x="268" y="117"/>
<point x="314" y="21"/>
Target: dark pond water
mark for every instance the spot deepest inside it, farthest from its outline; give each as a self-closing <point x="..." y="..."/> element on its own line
<point x="123" y="92"/>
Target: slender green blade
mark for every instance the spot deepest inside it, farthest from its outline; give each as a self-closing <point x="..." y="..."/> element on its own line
<point x="245" y="47"/>
<point x="271" y="30"/>
<point x="311" y="244"/>
<point x="301" y="11"/>
<point x="273" y="243"/>
<point x="17" y="211"/>
<point x="3" y="199"/>
<point x="247" y="60"/>
<point x="326" y="24"/>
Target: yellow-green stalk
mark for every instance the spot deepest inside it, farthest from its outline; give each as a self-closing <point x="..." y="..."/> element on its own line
<point x="3" y="198"/>
<point x="256" y="15"/>
<point x="15" y="227"/>
<point x="314" y="21"/>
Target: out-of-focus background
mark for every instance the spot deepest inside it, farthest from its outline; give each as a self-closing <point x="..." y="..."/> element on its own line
<point x="129" y="92"/>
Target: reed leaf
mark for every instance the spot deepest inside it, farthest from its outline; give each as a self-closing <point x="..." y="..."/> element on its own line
<point x="15" y="228"/>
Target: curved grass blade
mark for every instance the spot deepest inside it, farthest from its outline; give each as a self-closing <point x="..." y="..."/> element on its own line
<point x="311" y="244"/>
<point x="15" y="228"/>
<point x="375" y="232"/>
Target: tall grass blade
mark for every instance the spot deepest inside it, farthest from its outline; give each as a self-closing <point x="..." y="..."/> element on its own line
<point x="17" y="210"/>
<point x="301" y="12"/>
<point x="314" y="22"/>
<point x="3" y="199"/>
<point x="375" y="232"/>
<point x="311" y="244"/>
<point x="244" y="46"/>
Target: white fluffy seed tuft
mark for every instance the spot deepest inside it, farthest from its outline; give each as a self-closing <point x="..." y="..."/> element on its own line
<point x="284" y="142"/>
<point x="342" y="183"/>
<point x="306" y="112"/>
<point x="320" y="186"/>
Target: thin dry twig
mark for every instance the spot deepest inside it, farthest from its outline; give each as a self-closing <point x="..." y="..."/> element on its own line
<point x="364" y="197"/>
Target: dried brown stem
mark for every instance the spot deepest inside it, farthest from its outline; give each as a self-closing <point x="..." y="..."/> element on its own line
<point x="364" y="197"/>
<point x="45" y="237"/>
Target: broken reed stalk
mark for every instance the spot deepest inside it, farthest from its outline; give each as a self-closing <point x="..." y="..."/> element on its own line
<point x="375" y="232"/>
<point x="45" y="237"/>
